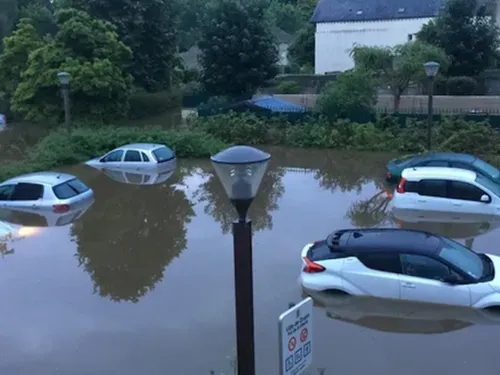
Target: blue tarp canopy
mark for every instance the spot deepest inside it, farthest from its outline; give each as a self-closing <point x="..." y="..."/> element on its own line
<point x="274" y="104"/>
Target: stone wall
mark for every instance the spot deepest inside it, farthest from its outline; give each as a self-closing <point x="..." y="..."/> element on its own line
<point x="418" y="103"/>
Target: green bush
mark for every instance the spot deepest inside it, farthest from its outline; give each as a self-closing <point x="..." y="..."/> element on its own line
<point x="461" y="86"/>
<point x="145" y="104"/>
<point x="288" y="87"/>
<point x="62" y="148"/>
<point x="450" y="134"/>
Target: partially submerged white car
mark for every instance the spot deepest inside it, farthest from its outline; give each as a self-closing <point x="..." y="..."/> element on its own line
<point x="402" y="264"/>
<point x="447" y="189"/>
<point x="142" y="177"/>
<point x="136" y="156"/>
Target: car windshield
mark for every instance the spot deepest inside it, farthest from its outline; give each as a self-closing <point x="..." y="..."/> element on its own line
<point x="487" y="169"/>
<point x="163" y="154"/>
<point x="463" y="258"/>
<point x="488" y="184"/>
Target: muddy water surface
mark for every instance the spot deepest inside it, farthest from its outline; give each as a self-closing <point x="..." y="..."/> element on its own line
<point x="142" y="282"/>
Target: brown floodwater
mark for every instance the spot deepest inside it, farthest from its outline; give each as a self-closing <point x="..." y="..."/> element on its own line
<point x="142" y="282"/>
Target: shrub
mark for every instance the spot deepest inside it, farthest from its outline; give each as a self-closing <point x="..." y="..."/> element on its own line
<point x="62" y="148"/>
<point x="354" y="92"/>
<point x="145" y="104"/>
<point x="461" y="86"/>
<point x="288" y="87"/>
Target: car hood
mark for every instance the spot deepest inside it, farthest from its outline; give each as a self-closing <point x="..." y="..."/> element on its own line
<point x="93" y="162"/>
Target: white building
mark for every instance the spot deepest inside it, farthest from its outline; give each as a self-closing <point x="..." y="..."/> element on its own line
<point x="342" y="24"/>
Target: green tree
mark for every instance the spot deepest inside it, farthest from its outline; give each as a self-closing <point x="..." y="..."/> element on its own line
<point x="148" y="28"/>
<point x="8" y="17"/>
<point x="399" y="66"/>
<point x="41" y="17"/>
<point x="14" y="58"/>
<point x="352" y="93"/>
<point x="288" y="17"/>
<point x="238" y="52"/>
<point x="90" y="51"/>
<point x="467" y="31"/>
<point x="302" y="49"/>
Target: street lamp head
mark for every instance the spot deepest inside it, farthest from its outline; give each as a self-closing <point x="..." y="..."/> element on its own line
<point x="431" y="68"/>
<point x="240" y="170"/>
<point x="64" y="78"/>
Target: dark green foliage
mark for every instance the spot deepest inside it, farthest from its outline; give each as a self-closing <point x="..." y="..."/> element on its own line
<point x="238" y="53"/>
<point x="352" y="93"/>
<point x="90" y="51"/>
<point x="302" y="49"/>
<point x="41" y="17"/>
<point x="61" y="148"/>
<point x="461" y="86"/>
<point x="145" y="104"/>
<point x="288" y="87"/>
<point x="148" y="28"/>
<point x="467" y="31"/>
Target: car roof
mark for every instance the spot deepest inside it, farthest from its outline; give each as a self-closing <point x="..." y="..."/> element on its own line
<point x="442" y="173"/>
<point x="378" y="240"/>
<point x="453" y="156"/>
<point x="48" y="178"/>
<point x="142" y="146"/>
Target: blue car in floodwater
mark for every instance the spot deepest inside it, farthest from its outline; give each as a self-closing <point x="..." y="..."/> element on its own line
<point x="3" y="120"/>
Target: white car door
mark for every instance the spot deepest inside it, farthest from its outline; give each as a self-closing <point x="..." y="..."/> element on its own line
<point x="432" y="195"/>
<point x="466" y="198"/>
<point x="132" y="160"/>
<point x="372" y="274"/>
<point x="112" y="160"/>
<point x="421" y="281"/>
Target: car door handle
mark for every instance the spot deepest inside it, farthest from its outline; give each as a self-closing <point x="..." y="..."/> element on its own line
<point x="457" y="204"/>
<point x="422" y="201"/>
<point x="408" y="285"/>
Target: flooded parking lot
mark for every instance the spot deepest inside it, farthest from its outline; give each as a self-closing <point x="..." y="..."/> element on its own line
<point x="142" y="282"/>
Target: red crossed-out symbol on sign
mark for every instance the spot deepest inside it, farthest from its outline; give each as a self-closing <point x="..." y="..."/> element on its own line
<point x="303" y="335"/>
<point x="292" y="343"/>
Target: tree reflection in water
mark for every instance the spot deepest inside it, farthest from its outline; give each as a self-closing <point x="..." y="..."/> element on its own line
<point x="131" y="234"/>
<point x="373" y="211"/>
<point x="218" y="206"/>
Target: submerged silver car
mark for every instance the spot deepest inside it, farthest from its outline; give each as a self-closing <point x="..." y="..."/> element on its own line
<point x="136" y="156"/>
<point x="53" y="191"/>
<point x="144" y="177"/>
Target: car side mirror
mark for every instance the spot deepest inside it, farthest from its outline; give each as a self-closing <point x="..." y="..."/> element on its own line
<point x="485" y="198"/>
<point x="451" y="279"/>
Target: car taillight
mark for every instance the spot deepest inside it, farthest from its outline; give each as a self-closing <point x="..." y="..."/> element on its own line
<point x="312" y="267"/>
<point x="60" y="208"/>
<point x="388" y="175"/>
<point x="401" y="186"/>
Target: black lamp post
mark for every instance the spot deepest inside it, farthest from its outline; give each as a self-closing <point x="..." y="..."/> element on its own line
<point x="64" y="79"/>
<point x="431" y="70"/>
<point x="240" y="170"/>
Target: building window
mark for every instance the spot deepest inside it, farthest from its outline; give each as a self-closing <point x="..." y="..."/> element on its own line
<point x="410" y="37"/>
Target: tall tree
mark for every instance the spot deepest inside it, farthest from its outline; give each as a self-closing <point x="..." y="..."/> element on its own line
<point x="90" y="51"/>
<point x="467" y="31"/>
<point x="14" y="58"/>
<point x="399" y="66"/>
<point x="302" y="49"/>
<point x="8" y="17"/>
<point x="238" y="51"/>
<point x="148" y="28"/>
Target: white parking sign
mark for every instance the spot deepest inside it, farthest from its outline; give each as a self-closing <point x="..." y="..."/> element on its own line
<point x="295" y="331"/>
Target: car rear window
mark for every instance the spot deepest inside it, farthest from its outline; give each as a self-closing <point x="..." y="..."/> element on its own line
<point x="70" y="189"/>
<point x="163" y="154"/>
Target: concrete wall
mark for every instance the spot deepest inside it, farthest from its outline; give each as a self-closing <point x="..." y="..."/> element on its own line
<point x="334" y="41"/>
<point x="418" y="103"/>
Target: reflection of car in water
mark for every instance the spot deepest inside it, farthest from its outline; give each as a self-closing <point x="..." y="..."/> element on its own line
<point x="401" y="316"/>
<point x="454" y="225"/>
<point x="142" y="177"/>
<point x="402" y="264"/>
<point x="36" y="218"/>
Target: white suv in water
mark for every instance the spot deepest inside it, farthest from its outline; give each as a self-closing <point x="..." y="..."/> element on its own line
<point x="448" y="190"/>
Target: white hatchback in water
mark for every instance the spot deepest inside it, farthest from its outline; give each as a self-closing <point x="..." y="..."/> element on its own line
<point x="402" y="264"/>
<point x="447" y="189"/>
<point x="136" y="156"/>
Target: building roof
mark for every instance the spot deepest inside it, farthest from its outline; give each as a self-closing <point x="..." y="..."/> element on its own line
<point x="362" y="10"/>
<point x="275" y="104"/>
